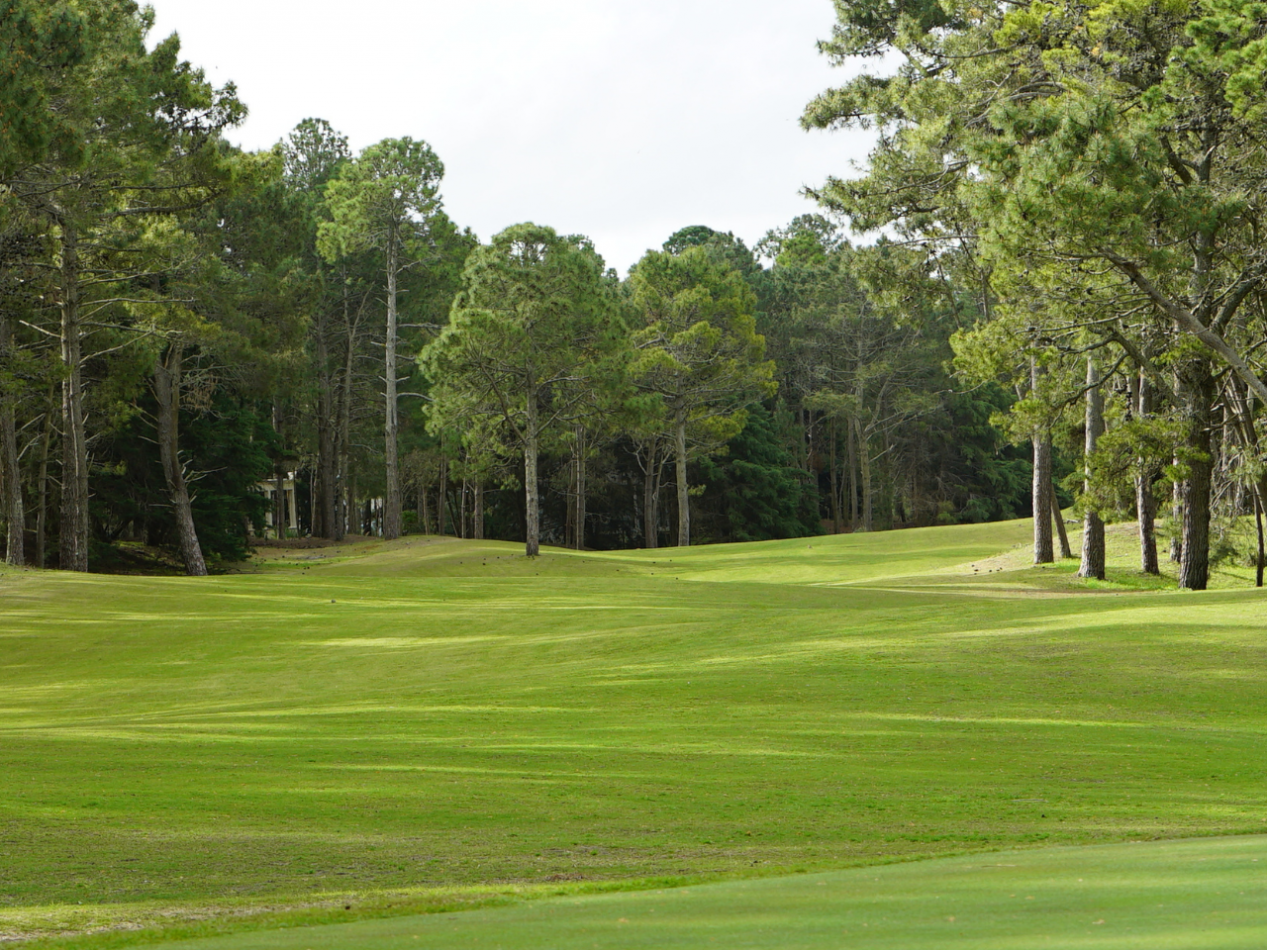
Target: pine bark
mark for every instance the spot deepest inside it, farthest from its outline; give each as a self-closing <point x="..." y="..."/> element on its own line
<point x="651" y="498"/>
<point x="41" y="515"/>
<point x="532" y="501"/>
<point x="167" y="385"/>
<point x="835" y="481"/>
<point x="344" y="490"/>
<point x="442" y="491"/>
<point x="1196" y="392"/>
<point x="864" y="460"/>
<point x="10" y="469"/>
<point x="683" y="487"/>
<point x="1145" y="501"/>
<point x="73" y="536"/>
<point x="1041" y="492"/>
<point x="462" y="520"/>
<point x="1261" y="562"/>
<point x="1058" y="516"/>
<point x="326" y="463"/>
<point x="1176" y="516"/>
<point x="1092" y="525"/>
<point x="580" y="503"/>
<point x="393" y="500"/>
<point x="853" y="477"/>
<point x="15" y="513"/>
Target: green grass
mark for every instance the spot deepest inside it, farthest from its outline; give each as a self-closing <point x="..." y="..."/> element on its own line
<point x="1208" y="893"/>
<point x="434" y="724"/>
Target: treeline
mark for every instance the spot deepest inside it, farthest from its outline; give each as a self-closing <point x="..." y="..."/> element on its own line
<point x="181" y="321"/>
<point x="1099" y="171"/>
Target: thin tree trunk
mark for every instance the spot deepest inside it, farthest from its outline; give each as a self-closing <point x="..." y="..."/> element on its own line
<point x="835" y="480"/>
<point x="167" y="385"/>
<point x="347" y="492"/>
<point x="1176" y="516"/>
<point x="392" y="503"/>
<point x="354" y="513"/>
<point x="73" y="538"/>
<point x="1197" y="395"/>
<point x="683" y="488"/>
<point x="10" y="469"/>
<point x="41" y="516"/>
<point x="651" y="497"/>
<point x="532" y="532"/>
<point x="279" y="502"/>
<point x="1058" y="516"/>
<point x="324" y="504"/>
<point x="1262" y="554"/>
<point x="479" y="512"/>
<point x="1093" y="525"/>
<point x="853" y="476"/>
<point x="441" y="492"/>
<point x="1043" y="548"/>
<point x="1145" y="501"/>
<point x="864" y="460"/>
<point x="579" y="516"/>
<point x="462" y="510"/>
<point x="1041" y="502"/>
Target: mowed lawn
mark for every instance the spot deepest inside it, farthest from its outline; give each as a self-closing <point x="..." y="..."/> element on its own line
<point x="369" y="730"/>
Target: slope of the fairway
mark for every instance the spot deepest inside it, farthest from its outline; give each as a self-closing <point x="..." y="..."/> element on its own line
<point x="368" y="725"/>
<point x="843" y="559"/>
<point x="1209" y="894"/>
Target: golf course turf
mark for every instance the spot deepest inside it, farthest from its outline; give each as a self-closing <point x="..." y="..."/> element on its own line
<point x="369" y="731"/>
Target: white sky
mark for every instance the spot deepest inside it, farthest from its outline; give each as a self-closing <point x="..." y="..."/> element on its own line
<point x="621" y="119"/>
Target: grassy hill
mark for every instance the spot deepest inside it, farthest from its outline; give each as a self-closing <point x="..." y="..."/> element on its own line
<point x="376" y="729"/>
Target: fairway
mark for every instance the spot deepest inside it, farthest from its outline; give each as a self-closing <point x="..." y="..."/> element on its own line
<point x="381" y="730"/>
<point x="1206" y="893"/>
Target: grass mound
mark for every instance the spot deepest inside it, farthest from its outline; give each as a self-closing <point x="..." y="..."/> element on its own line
<point x="436" y="723"/>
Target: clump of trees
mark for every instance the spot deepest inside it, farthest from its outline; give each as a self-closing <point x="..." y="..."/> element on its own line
<point x="1098" y="172"/>
<point x="1066" y="306"/>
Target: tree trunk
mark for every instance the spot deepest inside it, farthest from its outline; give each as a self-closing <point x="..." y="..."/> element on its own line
<point x="1041" y="503"/>
<point x="392" y="503"/>
<point x="651" y="497"/>
<point x="1197" y="398"/>
<point x="1058" y="516"/>
<point x="579" y="516"/>
<point x="532" y="530"/>
<point x="1093" y="525"/>
<point x="279" y="501"/>
<point x="478" y="518"/>
<point x="345" y="493"/>
<point x="353" y="511"/>
<point x="441" y="492"/>
<point x="325" y="506"/>
<point x="10" y="469"/>
<point x="1262" y="553"/>
<point x="683" y="488"/>
<point x="462" y="511"/>
<point x="1145" y="502"/>
<point x="73" y="539"/>
<point x="1043" y="551"/>
<point x="41" y="516"/>
<point x="864" y="460"/>
<point x="167" y="385"/>
<point x="1176" y="516"/>
<point x="853" y="476"/>
<point x="835" y="480"/>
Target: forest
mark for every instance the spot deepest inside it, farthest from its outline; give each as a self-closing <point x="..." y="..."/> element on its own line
<point x="1045" y="296"/>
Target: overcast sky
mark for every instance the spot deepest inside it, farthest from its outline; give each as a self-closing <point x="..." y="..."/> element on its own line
<point x="621" y="119"/>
